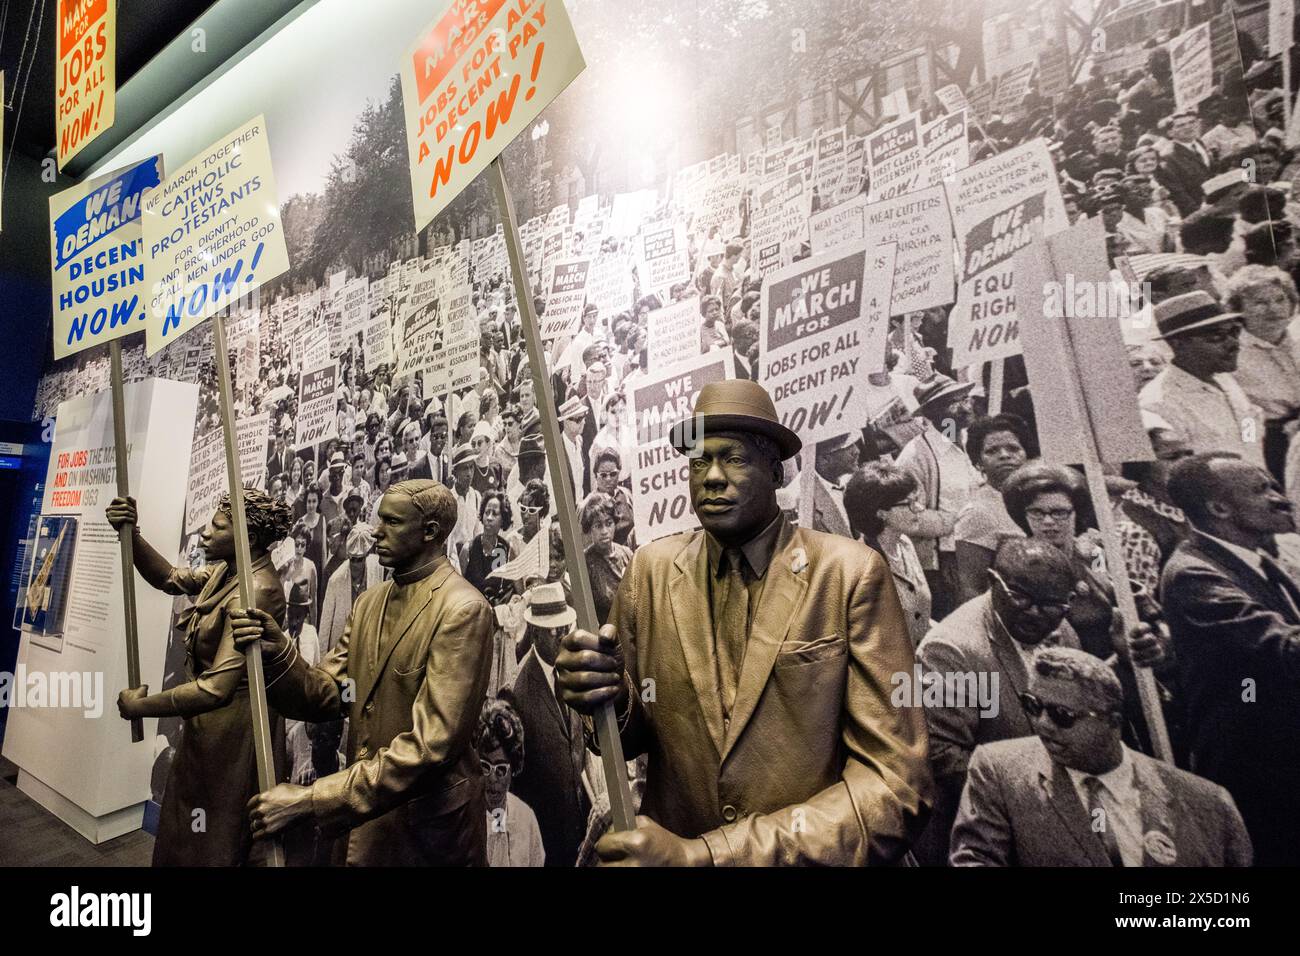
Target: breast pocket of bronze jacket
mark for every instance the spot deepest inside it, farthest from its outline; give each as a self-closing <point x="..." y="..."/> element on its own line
<point x="803" y="653"/>
<point x="408" y="672"/>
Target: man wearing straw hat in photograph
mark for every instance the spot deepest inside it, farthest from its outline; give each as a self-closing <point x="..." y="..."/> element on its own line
<point x="573" y="416"/>
<point x="554" y="751"/>
<point x="752" y="663"/>
<point x="946" y="480"/>
<point x="1195" y="397"/>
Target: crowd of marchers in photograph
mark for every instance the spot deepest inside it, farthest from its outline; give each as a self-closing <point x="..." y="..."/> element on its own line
<point x="996" y="555"/>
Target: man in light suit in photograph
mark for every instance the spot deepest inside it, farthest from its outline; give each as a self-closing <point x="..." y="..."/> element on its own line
<point x="360" y="572"/>
<point x="1075" y="795"/>
<point x="410" y="671"/>
<point x="770" y="736"/>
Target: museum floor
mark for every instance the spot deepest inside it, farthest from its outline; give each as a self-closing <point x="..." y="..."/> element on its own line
<point x="32" y="836"/>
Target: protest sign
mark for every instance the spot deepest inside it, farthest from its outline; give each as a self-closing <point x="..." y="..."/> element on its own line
<point x="674" y="334"/>
<point x="1193" y="66"/>
<point x="920" y="225"/>
<point x="420" y="334"/>
<point x="1281" y="26"/>
<point x="609" y="284"/>
<point x="1061" y="333"/>
<point x="207" y="480"/>
<point x="315" y="345"/>
<point x="836" y="226"/>
<point x="477" y="77"/>
<point x="85" y="82"/>
<point x="945" y="148"/>
<point x="317" y="405"/>
<point x="661" y="502"/>
<point x="629" y="210"/>
<point x="822" y="329"/>
<point x="996" y="205"/>
<point x="461" y="342"/>
<point x="1013" y="87"/>
<point x="855" y="154"/>
<point x="250" y="438"/>
<point x="1053" y="70"/>
<point x="802" y="164"/>
<point x="97" y="261"/>
<point x="951" y="98"/>
<point x="832" y="159"/>
<point x="663" y="258"/>
<point x="778" y="190"/>
<point x="893" y="153"/>
<point x="1223" y="42"/>
<point x="721" y="206"/>
<point x="213" y="233"/>
<point x="355" y="309"/>
<point x="566" y="291"/>
<point x="377" y="343"/>
<point x="979" y="101"/>
<point x="766" y="240"/>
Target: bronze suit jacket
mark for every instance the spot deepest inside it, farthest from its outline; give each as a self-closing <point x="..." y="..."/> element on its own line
<point x="815" y="766"/>
<point x="412" y="793"/>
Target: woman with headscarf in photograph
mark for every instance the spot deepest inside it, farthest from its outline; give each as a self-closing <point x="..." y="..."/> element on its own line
<point x="214" y="772"/>
<point x="513" y="837"/>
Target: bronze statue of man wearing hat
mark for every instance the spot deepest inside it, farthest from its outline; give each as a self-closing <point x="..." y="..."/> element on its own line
<point x="752" y="662"/>
<point x="410" y="671"/>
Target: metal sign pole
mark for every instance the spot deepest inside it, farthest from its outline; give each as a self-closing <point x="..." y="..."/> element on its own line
<point x="244" y="572"/>
<point x="125" y="536"/>
<point x="611" y="747"/>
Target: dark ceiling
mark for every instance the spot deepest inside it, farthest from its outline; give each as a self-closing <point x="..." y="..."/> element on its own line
<point x="27" y="57"/>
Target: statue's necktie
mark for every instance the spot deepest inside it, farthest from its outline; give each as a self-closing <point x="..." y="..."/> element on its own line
<point x="1093" y="787"/>
<point x="730" y="624"/>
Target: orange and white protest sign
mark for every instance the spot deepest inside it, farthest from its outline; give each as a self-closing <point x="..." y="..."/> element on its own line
<point x="477" y="77"/>
<point x="85" y="79"/>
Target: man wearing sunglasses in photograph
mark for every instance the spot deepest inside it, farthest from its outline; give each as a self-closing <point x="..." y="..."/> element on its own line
<point x="1074" y="795"/>
<point x="1031" y="587"/>
<point x="995" y="633"/>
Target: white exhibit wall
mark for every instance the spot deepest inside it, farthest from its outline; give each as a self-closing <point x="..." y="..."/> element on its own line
<point x="81" y="767"/>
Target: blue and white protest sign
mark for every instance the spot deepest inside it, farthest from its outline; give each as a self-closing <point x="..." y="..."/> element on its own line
<point x="98" y="256"/>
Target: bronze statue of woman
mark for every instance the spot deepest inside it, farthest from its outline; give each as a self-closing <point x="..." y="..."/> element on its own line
<point x="214" y="773"/>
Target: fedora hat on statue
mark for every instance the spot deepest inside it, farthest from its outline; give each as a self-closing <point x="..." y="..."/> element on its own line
<point x="734" y="405"/>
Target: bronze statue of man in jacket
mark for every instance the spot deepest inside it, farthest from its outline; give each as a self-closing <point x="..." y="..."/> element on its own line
<point x="410" y="671"/>
<point x="752" y="662"/>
